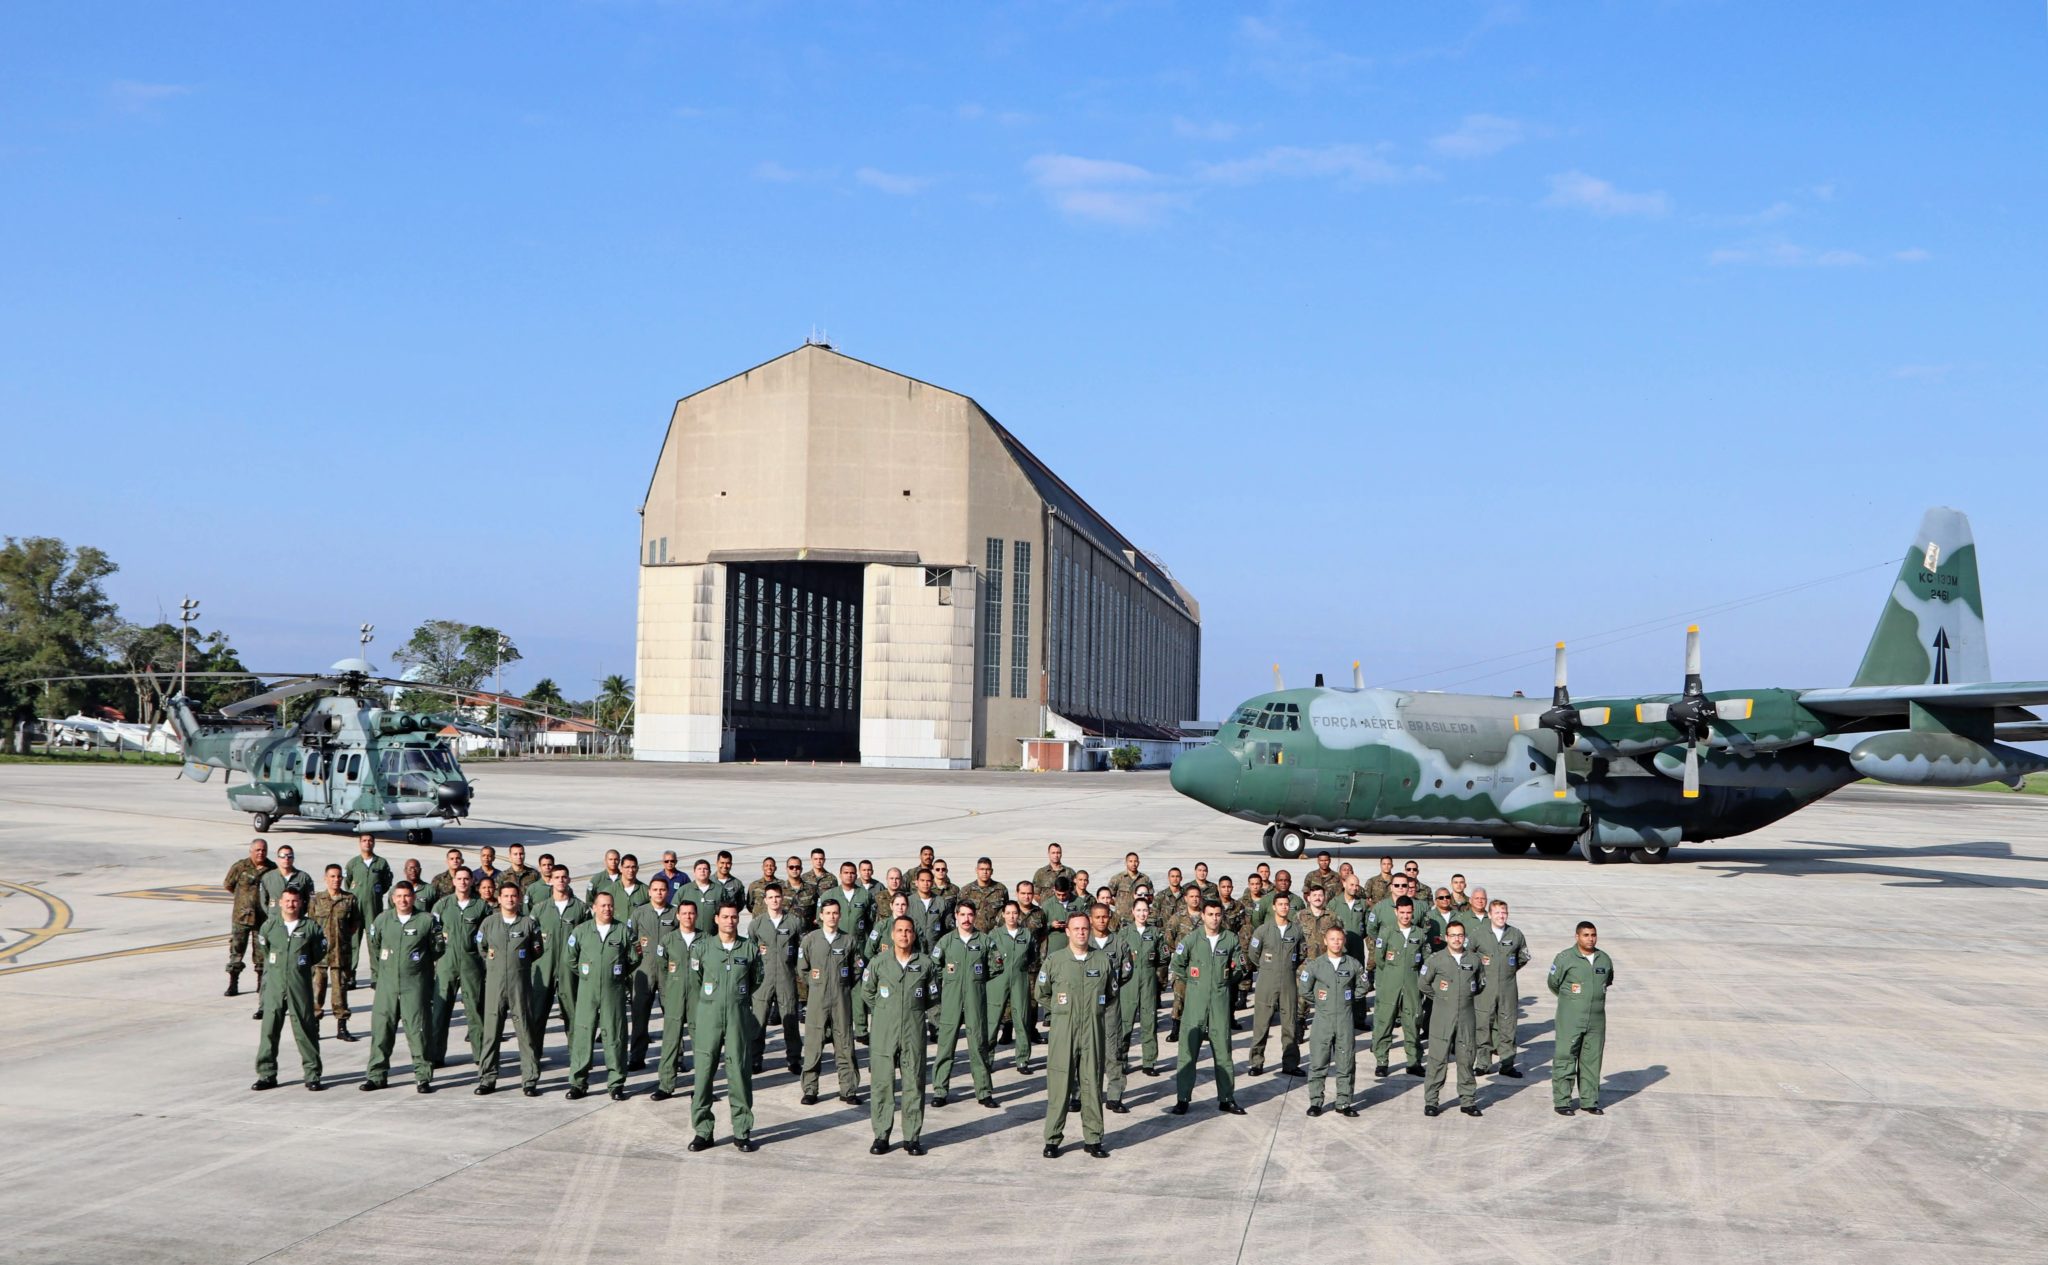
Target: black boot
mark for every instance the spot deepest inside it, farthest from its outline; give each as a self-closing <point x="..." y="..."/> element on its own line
<point x="234" y="986"/>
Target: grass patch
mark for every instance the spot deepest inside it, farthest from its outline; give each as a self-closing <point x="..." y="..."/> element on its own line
<point x="89" y="757"/>
<point x="2035" y="784"/>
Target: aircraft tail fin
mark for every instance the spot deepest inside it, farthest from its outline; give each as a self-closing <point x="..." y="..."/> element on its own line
<point x="1932" y="628"/>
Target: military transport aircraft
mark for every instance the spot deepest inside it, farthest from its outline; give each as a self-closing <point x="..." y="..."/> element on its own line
<point x="1635" y="776"/>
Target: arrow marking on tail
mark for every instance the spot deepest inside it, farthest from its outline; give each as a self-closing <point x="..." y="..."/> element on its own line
<point x="1940" y="658"/>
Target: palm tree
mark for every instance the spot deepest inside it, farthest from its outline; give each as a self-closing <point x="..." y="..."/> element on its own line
<point x="615" y="703"/>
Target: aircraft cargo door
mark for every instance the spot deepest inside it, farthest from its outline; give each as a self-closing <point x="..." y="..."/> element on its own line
<point x="1359" y="795"/>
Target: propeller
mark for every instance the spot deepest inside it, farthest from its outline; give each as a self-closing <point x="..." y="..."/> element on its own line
<point x="1564" y="720"/>
<point x="1278" y="683"/>
<point x="1357" y="676"/>
<point x="1695" y="716"/>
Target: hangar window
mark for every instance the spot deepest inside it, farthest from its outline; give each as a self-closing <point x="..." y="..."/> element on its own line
<point x="650" y="553"/>
<point x="664" y="549"/>
<point x="992" y="621"/>
<point x="1020" y="624"/>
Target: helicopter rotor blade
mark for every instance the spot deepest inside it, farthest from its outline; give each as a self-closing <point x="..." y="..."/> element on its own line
<point x="277" y="694"/>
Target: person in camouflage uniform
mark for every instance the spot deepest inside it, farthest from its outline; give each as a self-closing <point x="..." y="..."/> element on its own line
<point x="245" y="883"/>
<point x="1323" y="879"/>
<point x="1123" y="888"/>
<point x="1049" y="874"/>
<point x="754" y="889"/>
<point x="1381" y="885"/>
<point x="943" y="884"/>
<point x="802" y="900"/>
<point x="340" y="921"/>
<point x="986" y="896"/>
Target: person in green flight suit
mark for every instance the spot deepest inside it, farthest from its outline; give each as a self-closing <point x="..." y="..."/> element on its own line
<point x="245" y="882"/>
<point x="1103" y="938"/>
<point x="405" y="943"/>
<point x="1277" y="952"/>
<point x="963" y="956"/>
<point x="1332" y="980"/>
<point x="827" y="963"/>
<point x="461" y="971"/>
<point x="649" y="923"/>
<point x="1013" y="970"/>
<point x="677" y="992"/>
<point x="1452" y="976"/>
<point x="900" y="984"/>
<point x="1503" y="952"/>
<point x="727" y="970"/>
<point x="1138" y="1000"/>
<point x="509" y="942"/>
<point x="778" y="934"/>
<point x="1580" y="977"/>
<point x="1205" y="963"/>
<point x="292" y="945"/>
<point x="602" y="953"/>
<point x="554" y="977"/>
<point x="368" y="878"/>
<point x="1077" y="985"/>
<point x="1398" y="954"/>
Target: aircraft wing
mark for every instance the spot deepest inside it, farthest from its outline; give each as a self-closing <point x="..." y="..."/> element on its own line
<point x="1890" y="700"/>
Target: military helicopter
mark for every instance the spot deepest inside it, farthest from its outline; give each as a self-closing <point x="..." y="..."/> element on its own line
<point x="348" y="759"/>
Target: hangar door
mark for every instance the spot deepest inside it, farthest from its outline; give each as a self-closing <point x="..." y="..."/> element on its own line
<point x="792" y="660"/>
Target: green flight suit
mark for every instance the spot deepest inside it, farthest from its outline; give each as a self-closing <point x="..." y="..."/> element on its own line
<point x="424" y="894"/>
<point x="777" y="987"/>
<point x="1138" y="1001"/>
<point x="1352" y="918"/>
<point x="1076" y="995"/>
<point x="722" y="1029"/>
<point x="606" y="882"/>
<point x="276" y="883"/>
<point x="554" y="976"/>
<point x="707" y="900"/>
<point x="1013" y="971"/>
<point x="963" y="1010"/>
<point x="1206" y="973"/>
<point x="898" y="994"/>
<point x="602" y="960"/>
<point x="1502" y="955"/>
<point x="461" y="974"/>
<point x="509" y="951"/>
<point x="1581" y="988"/>
<point x="649" y="926"/>
<point x="1116" y="1029"/>
<point x="988" y="901"/>
<point x="1277" y="953"/>
<point x="1333" y="985"/>
<point x="1313" y="926"/>
<point x="289" y="959"/>
<point x="370" y="883"/>
<point x="403" y="958"/>
<point x="1453" y="983"/>
<point x="1398" y="963"/>
<point x="856" y="909"/>
<point x="672" y="958"/>
<point x="934" y="921"/>
<point x="625" y="902"/>
<point x="827" y="965"/>
<point x="245" y="882"/>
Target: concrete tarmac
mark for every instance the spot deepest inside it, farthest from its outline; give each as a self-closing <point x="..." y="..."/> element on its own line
<point x="1825" y="1044"/>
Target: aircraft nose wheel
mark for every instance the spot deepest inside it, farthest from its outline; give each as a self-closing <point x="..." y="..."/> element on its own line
<point x="419" y="836"/>
<point x="1288" y="843"/>
<point x="263" y="822"/>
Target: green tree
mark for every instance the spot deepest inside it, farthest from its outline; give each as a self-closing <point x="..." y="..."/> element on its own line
<point x="148" y="653"/>
<point x="546" y="697"/>
<point x="463" y="657"/>
<point x="54" y="621"/>
<point x="615" y="703"/>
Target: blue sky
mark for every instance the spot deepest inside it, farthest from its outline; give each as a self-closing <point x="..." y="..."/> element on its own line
<point x="1415" y="334"/>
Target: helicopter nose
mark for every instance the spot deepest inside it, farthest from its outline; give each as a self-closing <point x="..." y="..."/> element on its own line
<point x="454" y="794"/>
<point x="1207" y="775"/>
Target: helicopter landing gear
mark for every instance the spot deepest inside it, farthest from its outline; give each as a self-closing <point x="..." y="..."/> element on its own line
<point x="419" y="836"/>
<point x="262" y="821"/>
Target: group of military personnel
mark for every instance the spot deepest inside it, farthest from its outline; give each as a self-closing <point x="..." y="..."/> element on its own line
<point x="912" y="969"/>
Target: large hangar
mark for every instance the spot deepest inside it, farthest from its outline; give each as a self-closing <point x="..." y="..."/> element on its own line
<point x="839" y="562"/>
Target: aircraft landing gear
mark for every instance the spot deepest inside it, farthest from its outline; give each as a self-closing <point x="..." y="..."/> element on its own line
<point x="1512" y="847"/>
<point x="1267" y="841"/>
<point x="1595" y="853"/>
<point x="1289" y="843"/>
<point x="1553" y="847"/>
<point x="1650" y="856"/>
<point x="419" y="836"/>
<point x="262" y="821"/>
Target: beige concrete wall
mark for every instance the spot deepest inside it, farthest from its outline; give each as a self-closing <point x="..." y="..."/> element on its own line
<point x="678" y="684"/>
<point x="1003" y="503"/>
<point x="917" y="669"/>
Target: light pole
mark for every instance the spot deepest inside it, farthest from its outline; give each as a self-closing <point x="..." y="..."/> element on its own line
<point x="364" y="636"/>
<point x="498" y="704"/>
<point x="188" y="613"/>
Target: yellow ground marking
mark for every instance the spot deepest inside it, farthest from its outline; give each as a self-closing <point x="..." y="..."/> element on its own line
<point x="117" y="953"/>
<point x="204" y="892"/>
<point x="58" y="921"/>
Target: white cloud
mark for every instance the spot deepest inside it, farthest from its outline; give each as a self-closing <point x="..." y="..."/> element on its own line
<point x="1912" y="255"/>
<point x="1360" y="163"/>
<point x="1101" y="189"/>
<point x="1579" y="191"/>
<point x="1782" y="254"/>
<point x="135" y="97"/>
<point x="1216" y="130"/>
<point x="890" y="182"/>
<point x="1481" y="136"/>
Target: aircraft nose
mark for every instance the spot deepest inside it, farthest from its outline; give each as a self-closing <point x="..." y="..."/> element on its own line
<point x="1207" y="775"/>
